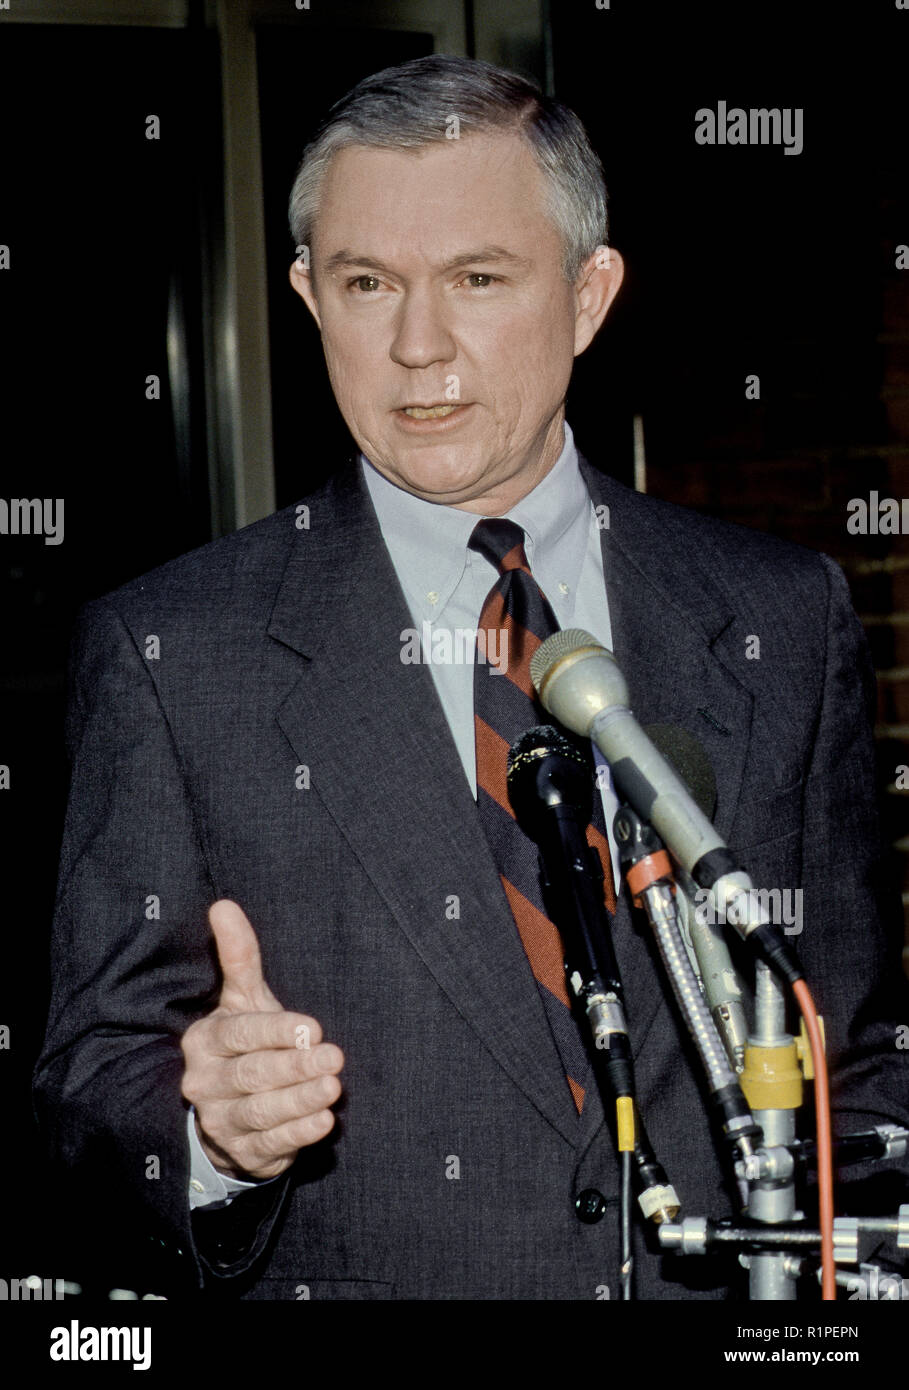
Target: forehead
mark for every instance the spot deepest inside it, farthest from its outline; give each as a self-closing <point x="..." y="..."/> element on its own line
<point x="435" y="199"/>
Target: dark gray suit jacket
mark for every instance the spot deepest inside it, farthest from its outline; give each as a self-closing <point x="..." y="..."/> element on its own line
<point x="280" y="647"/>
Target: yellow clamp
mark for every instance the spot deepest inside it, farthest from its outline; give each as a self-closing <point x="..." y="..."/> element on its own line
<point x="772" y="1078"/>
<point x="624" y="1112"/>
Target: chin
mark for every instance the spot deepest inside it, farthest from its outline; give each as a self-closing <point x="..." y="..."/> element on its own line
<point x="442" y="476"/>
<point x="446" y="490"/>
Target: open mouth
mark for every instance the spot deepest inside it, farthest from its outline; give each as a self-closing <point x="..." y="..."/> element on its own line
<point x="432" y="412"/>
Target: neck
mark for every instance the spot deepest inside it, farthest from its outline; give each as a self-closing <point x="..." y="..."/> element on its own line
<point x="512" y="489"/>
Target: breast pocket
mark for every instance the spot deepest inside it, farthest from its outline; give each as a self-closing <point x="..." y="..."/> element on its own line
<point x="767" y="837"/>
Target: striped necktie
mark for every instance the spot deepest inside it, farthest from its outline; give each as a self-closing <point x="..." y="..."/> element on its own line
<point x="515" y="619"/>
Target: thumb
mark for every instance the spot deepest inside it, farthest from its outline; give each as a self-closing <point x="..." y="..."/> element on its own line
<point x="243" y="987"/>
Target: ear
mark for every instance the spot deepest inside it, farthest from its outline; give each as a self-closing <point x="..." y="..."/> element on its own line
<point x="301" y="280"/>
<point x="595" y="288"/>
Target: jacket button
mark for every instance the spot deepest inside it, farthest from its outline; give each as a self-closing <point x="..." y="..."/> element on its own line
<point x="590" y="1206"/>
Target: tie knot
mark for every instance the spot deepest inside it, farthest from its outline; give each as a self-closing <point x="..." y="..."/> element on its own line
<point x="500" y="542"/>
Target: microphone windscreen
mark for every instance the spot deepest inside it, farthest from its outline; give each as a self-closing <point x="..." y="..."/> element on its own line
<point x="545" y="738"/>
<point x="559" y="644"/>
<point x="689" y="759"/>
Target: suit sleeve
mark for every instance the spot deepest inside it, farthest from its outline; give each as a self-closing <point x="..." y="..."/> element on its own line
<point x="850" y="944"/>
<point x="132" y="966"/>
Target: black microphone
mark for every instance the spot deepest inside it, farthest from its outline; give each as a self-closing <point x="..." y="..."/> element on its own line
<point x="551" y="786"/>
<point x="550" y="783"/>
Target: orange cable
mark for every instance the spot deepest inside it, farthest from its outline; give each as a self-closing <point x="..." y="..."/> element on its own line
<point x="824" y="1138"/>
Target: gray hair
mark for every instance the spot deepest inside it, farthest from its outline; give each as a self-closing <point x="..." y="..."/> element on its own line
<point x="415" y="104"/>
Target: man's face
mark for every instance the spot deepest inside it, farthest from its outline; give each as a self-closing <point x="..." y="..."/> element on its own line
<point x="437" y="285"/>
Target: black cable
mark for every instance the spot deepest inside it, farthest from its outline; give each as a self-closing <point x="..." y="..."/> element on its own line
<point x="627" y="1267"/>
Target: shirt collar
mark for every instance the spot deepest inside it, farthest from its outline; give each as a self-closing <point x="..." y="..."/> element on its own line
<point x="428" y="541"/>
<point x="553" y="506"/>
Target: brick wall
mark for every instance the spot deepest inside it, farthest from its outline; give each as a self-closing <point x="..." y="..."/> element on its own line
<point x="820" y="435"/>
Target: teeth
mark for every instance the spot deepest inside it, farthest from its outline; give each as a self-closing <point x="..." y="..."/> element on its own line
<point x="435" y="412"/>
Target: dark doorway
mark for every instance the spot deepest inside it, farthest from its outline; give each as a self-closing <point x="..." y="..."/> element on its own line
<point x="301" y="73"/>
<point x="103" y="292"/>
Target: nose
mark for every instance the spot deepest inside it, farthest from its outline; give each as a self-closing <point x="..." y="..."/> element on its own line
<point x="421" y="335"/>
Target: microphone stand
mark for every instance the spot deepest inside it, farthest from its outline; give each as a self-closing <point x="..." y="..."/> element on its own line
<point x="580" y="684"/>
<point x="549" y="784"/>
<point x="772" y="1081"/>
<point x="770" y="1090"/>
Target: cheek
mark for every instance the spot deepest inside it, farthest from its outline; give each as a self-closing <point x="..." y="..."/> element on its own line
<point x="528" y="339"/>
<point x="531" y="362"/>
<point x="347" y="369"/>
<point x="358" y="342"/>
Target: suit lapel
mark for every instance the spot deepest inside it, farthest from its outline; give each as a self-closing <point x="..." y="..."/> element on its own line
<point x="669" y="623"/>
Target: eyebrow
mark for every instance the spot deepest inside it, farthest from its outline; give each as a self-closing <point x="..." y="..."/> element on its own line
<point x="487" y="255"/>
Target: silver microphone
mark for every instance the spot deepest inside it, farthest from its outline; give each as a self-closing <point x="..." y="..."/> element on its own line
<point x="579" y="683"/>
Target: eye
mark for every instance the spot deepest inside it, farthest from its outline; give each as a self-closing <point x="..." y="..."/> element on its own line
<point x="366" y="284"/>
<point x="480" y="280"/>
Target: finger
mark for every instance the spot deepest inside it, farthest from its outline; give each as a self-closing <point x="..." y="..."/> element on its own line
<point x="236" y="1033"/>
<point x="268" y="1110"/>
<point x="266" y="1146"/>
<point x="243" y="984"/>
<point x="278" y="1067"/>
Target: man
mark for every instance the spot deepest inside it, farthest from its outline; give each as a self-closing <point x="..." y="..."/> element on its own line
<point x="348" y="1077"/>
